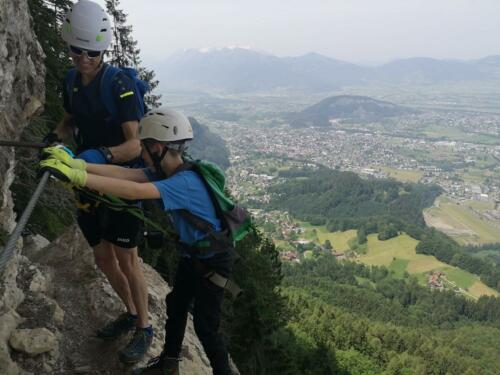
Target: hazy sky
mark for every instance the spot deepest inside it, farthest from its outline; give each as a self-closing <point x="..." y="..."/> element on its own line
<point x="353" y="30"/>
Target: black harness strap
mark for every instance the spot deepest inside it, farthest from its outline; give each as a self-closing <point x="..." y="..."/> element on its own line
<point x="219" y="241"/>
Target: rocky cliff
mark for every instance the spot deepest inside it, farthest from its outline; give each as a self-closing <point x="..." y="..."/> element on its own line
<point x="21" y="88"/>
<point x="21" y="96"/>
<point x="65" y="299"/>
<point x="52" y="297"/>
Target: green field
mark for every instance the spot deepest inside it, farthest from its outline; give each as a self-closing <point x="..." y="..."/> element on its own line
<point x="382" y="253"/>
<point x="462" y="278"/>
<point x="283" y="245"/>
<point x="399" y="266"/>
<point x="403" y="175"/>
<point x="480" y="205"/>
<point x="462" y="223"/>
<point x="399" y="256"/>
<point x="319" y="234"/>
<point x="454" y="134"/>
<point x="479" y="289"/>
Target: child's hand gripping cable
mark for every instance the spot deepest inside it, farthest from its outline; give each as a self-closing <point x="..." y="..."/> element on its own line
<point x="63" y="172"/>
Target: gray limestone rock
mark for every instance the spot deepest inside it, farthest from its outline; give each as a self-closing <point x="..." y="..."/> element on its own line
<point x="57" y="312"/>
<point x="33" y="244"/>
<point x="22" y="90"/>
<point x="21" y="96"/>
<point x="39" y="283"/>
<point x="33" y="341"/>
<point x="8" y="322"/>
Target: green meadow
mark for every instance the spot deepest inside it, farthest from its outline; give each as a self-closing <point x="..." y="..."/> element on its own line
<point x="462" y="223"/>
<point x="399" y="256"/>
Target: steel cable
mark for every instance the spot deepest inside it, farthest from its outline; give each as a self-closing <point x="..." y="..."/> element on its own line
<point x="10" y="246"/>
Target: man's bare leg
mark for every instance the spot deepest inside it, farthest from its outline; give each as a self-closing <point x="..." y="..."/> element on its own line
<point x="143" y="336"/>
<point x="107" y="261"/>
<point x="131" y="267"/>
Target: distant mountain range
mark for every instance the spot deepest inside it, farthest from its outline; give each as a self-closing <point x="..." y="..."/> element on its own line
<point x="359" y="108"/>
<point x="246" y="70"/>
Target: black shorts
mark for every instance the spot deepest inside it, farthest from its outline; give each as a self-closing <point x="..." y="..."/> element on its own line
<point x="118" y="227"/>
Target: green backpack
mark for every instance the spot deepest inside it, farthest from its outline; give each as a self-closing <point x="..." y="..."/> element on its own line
<point x="235" y="220"/>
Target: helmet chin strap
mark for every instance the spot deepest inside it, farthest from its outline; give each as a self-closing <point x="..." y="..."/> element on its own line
<point x="157" y="159"/>
<point x="101" y="63"/>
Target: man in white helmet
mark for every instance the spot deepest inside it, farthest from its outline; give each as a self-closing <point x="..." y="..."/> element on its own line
<point x="106" y="139"/>
<point x="163" y="134"/>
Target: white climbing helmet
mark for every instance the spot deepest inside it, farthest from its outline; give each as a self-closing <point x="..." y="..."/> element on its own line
<point x="87" y="26"/>
<point x="165" y="125"/>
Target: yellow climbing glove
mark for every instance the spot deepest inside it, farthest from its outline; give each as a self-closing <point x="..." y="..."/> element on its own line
<point x="63" y="172"/>
<point x="59" y="153"/>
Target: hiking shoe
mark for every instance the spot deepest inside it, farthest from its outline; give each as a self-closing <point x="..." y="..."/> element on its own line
<point x="123" y="324"/>
<point x="137" y="347"/>
<point x="159" y="366"/>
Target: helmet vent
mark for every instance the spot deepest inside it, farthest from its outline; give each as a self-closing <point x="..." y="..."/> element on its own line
<point x="103" y="30"/>
<point x="104" y="19"/>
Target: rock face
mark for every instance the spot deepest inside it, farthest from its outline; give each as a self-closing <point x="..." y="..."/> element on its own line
<point x="22" y="91"/>
<point x="59" y="321"/>
<point x="21" y="96"/>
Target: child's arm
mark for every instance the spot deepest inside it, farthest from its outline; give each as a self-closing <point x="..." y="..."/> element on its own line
<point x="109" y="185"/>
<point x="115" y="171"/>
<point x="122" y="188"/>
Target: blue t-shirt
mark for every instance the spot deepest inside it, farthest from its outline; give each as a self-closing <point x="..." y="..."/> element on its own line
<point x="186" y="190"/>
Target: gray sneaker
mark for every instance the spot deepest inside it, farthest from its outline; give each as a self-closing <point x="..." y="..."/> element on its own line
<point x="137" y="347"/>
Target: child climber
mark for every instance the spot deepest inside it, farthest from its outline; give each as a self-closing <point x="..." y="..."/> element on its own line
<point x="163" y="134"/>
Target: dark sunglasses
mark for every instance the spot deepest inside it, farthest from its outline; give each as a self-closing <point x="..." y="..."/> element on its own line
<point x="80" y="51"/>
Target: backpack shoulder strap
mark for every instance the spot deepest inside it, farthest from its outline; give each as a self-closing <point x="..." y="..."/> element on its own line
<point x="106" y="88"/>
<point x="186" y="166"/>
<point x="218" y="210"/>
<point x="221" y="238"/>
<point x="194" y="220"/>
<point x="69" y="84"/>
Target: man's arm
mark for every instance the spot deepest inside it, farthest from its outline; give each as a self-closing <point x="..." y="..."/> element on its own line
<point x="122" y="188"/>
<point x="131" y="148"/>
<point x="115" y="171"/>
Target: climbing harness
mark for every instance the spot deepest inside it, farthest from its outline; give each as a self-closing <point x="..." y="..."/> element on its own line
<point x="117" y="204"/>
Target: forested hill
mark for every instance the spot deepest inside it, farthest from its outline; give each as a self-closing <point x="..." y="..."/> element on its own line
<point x="349" y="318"/>
<point x="207" y="145"/>
<point x="354" y="319"/>
<point x="358" y="108"/>
<point x="343" y="200"/>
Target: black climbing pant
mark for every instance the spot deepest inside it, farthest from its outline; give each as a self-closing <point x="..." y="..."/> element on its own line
<point x="190" y="286"/>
